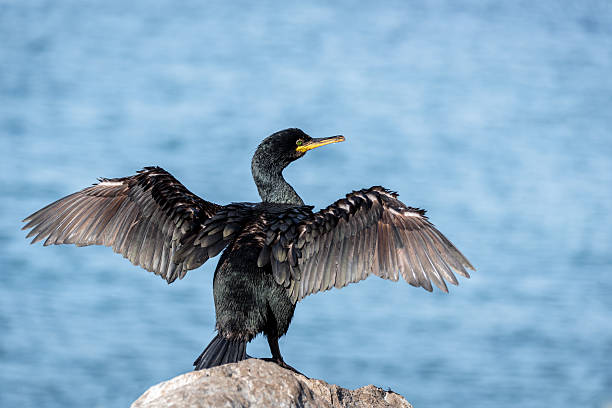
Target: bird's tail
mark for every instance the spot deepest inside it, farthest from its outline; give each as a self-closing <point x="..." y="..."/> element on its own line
<point x="221" y="351"/>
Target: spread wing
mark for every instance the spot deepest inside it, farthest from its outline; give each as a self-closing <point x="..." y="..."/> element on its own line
<point x="370" y="232"/>
<point x="147" y="218"/>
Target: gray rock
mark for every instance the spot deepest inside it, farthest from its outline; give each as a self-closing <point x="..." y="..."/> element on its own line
<point x="257" y="383"/>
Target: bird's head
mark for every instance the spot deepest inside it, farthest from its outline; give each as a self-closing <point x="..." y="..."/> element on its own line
<point x="275" y="153"/>
<point x="285" y="146"/>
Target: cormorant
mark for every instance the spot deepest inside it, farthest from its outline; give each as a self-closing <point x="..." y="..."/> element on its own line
<point x="276" y="252"/>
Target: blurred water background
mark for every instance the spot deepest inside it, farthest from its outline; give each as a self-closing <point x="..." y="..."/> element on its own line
<point x="494" y="116"/>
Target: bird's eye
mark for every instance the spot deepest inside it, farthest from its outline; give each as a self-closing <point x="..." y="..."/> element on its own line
<point x="299" y="142"/>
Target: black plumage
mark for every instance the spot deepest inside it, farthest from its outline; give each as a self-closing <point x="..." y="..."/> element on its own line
<point x="277" y="251"/>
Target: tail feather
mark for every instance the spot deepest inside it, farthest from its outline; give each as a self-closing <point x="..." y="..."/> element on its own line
<point x="221" y="351"/>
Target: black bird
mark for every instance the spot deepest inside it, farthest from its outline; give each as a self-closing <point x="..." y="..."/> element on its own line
<point x="276" y="252"/>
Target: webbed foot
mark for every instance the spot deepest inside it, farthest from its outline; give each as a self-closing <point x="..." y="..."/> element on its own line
<point x="281" y="363"/>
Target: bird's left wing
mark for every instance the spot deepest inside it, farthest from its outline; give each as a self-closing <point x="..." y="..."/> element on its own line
<point x="370" y="232"/>
<point x="147" y="217"/>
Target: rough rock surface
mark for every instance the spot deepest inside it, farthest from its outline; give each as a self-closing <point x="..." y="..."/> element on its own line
<point x="257" y="383"/>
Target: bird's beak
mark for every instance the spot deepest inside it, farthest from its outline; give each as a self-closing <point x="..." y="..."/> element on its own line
<point x="322" y="141"/>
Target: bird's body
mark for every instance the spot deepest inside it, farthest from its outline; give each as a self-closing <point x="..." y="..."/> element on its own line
<point x="248" y="301"/>
<point x="276" y="252"/>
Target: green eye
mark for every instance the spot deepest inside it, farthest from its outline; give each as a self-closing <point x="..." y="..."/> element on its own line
<point x="299" y="142"/>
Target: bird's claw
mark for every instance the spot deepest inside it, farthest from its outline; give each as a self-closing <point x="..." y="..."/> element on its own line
<point x="283" y="365"/>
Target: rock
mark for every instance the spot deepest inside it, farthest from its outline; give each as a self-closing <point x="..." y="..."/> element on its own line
<point x="258" y="383"/>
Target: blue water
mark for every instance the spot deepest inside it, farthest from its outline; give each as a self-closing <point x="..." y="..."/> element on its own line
<point x="494" y="116"/>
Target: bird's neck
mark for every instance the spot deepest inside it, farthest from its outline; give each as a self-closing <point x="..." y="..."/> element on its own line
<point x="271" y="185"/>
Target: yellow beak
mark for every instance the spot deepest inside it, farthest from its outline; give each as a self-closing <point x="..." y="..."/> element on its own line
<point x="313" y="143"/>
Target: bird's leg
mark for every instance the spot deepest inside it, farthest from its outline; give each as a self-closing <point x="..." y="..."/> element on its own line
<point x="276" y="354"/>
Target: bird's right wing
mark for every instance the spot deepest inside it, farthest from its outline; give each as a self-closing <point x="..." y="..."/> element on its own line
<point x="370" y="232"/>
<point x="148" y="218"/>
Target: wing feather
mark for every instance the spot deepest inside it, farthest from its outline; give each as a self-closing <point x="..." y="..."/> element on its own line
<point x="369" y="232"/>
<point x="146" y="217"/>
<point x="438" y="261"/>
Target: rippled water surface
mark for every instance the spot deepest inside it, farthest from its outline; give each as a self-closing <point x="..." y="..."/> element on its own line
<point x="497" y="118"/>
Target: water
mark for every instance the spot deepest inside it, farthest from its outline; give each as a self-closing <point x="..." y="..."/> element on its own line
<point x="495" y="117"/>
